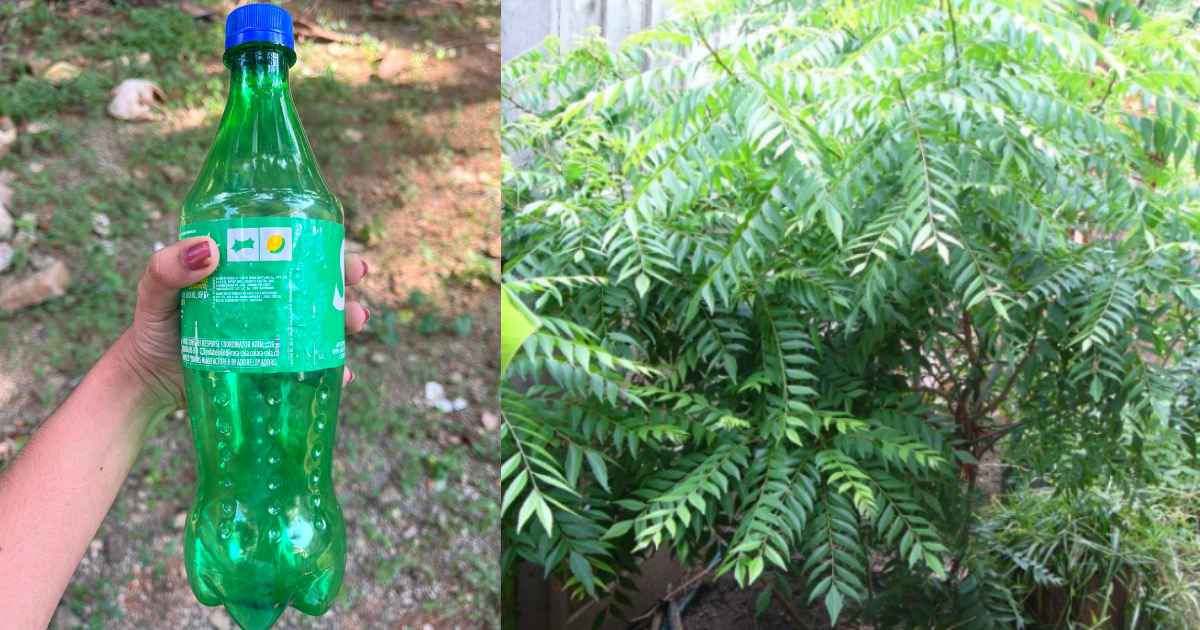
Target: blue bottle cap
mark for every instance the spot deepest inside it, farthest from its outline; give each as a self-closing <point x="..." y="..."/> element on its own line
<point x="259" y="23"/>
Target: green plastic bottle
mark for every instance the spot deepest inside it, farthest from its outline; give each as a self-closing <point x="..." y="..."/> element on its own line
<point x="263" y="346"/>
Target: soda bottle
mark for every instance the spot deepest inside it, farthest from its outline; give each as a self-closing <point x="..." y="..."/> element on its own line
<point x="263" y="346"/>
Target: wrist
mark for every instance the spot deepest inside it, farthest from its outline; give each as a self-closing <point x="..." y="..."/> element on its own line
<point x="152" y="391"/>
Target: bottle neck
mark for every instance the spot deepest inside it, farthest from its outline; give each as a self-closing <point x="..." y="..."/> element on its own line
<point x="260" y="160"/>
<point x="258" y="69"/>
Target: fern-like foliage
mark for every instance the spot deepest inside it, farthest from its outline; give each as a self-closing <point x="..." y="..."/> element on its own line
<point x="800" y="265"/>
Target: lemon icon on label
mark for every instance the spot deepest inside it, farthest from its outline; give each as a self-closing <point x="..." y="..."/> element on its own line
<point x="275" y="243"/>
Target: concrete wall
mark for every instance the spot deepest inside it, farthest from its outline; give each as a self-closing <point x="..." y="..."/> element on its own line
<point x="525" y="23"/>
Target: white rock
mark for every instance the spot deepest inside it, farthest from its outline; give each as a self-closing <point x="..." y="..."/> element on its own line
<point x="36" y="127"/>
<point x="101" y="224"/>
<point x="489" y="420"/>
<point x="353" y="135"/>
<point x="180" y="520"/>
<point x="135" y="99"/>
<point x="443" y="405"/>
<point x="8" y="134"/>
<point x="158" y="245"/>
<point x="378" y="358"/>
<point x="6" y="223"/>
<point x="36" y="167"/>
<point x="434" y="391"/>
<point x="459" y="404"/>
<point x="219" y="619"/>
<point x="6" y="256"/>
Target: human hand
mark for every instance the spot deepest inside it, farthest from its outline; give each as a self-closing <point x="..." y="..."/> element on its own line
<point x="150" y="347"/>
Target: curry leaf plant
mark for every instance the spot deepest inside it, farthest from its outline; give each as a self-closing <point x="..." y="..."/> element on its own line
<point x="799" y="266"/>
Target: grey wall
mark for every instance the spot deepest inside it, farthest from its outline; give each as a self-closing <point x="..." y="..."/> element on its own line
<point x="524" y="23"/>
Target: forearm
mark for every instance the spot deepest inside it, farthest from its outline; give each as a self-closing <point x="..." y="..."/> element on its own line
<point x="57" y="492"/>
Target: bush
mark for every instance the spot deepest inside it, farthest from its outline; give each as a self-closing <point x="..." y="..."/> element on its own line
<point x="791" y="287"/>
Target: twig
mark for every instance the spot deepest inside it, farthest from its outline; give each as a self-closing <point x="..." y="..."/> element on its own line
<point x="788" y="608"/>
<point x="671" y="595"/>
<point x="711" y="51"/>
<point x="1107" y="91"/>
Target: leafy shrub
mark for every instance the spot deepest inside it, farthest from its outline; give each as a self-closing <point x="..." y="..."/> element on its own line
<point x="1101" y="557"/>
<point x="797" y="266"/>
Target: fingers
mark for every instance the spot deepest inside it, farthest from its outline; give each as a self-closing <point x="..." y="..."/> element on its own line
<point x="356" y="269"/>
<point x="356" y="317"/>
<point x="173" y="268"/>
<point x="347" y="376"/>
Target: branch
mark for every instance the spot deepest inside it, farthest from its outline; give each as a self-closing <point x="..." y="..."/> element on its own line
<point x="711" y="51"/>
<point x="953" y="31"/>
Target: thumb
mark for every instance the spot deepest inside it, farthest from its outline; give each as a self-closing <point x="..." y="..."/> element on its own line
<point x="171" y="269"/>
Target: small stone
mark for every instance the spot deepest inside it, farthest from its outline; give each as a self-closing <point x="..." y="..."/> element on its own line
<point x="434" y="391"/>
<point x="96" y="547"/>
<point x="353" y="135"/>
<point x="174" y="173"/>
<point x="411" y="532"/>
<point x="427" y="626"/>
<point x="378" y="358"/>
<point x="6" y="193"/>
<point x="41" y="261"/>
<point x="139" y="173"/>
<point x="156" y="215"/>
<point x="61" y="72"/>
<point x="107" y="246"/>
<point x="219" y="619"/>
<point x="143" y="58"/>
<point x="6" y="223"/>
<point x="489" y="420"/>
<point x="7" y="448"/>
<point x="101" y="224"/>
<point x="390" y="495"/>
<point x="443" y="405"/>
<point x="159" y="245"/>
<point x="456" y="378"/>
<point x="36" y="288"/>
<point x="458" y="404"/>
<point x="36" y="167"/>
<point x="179" y="414"/>
<point x="180" y="520"/>
<point x="6" y="256"/>
<point x="35" y="127"/>
<point x="8" y="134"/>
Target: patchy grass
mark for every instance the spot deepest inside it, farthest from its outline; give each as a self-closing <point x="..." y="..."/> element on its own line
<point x="412" y="160"/>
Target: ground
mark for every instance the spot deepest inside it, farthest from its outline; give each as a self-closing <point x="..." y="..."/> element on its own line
<point x="402" y="112"/>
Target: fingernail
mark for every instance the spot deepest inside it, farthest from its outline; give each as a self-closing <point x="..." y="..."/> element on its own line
<point x="368" y="312"/>
<point x="196" y="256"/>
<point x="365" y="268"/>
<point x="352" y="377"/>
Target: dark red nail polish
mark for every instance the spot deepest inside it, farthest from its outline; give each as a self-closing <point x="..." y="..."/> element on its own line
<point x="352" y="377"/>
<point x="368" y="312"/>
<point x="196" y="256"/>
<point x="365" y="268"/>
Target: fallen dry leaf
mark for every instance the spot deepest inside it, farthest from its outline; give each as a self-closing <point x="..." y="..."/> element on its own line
<point x="302" y="27"/>
<point x="196" y="11"/>
<point x="60" y="72"/>
<point x="135" y="99"/>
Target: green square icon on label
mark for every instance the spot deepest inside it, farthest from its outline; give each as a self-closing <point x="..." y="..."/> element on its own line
<point x="242" y="244"/>
<point x="275" y="243"/>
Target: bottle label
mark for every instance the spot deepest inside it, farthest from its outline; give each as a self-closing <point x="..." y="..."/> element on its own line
<point x="276" y="302"/>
